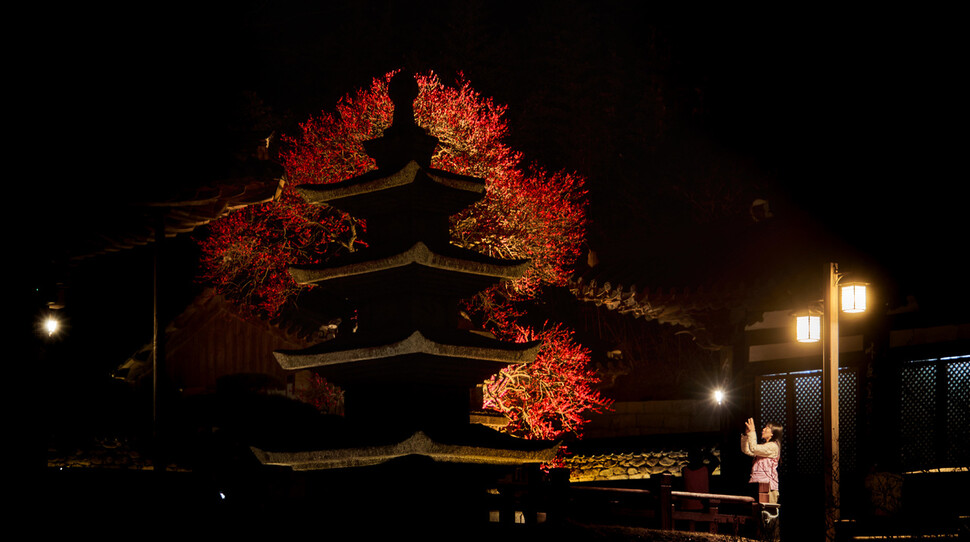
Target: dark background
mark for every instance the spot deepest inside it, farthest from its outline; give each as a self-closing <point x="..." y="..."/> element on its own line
<point x="675" y="116"/>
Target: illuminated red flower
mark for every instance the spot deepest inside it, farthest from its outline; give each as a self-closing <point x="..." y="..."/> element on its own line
<point x="551" y="396"/>
<point x="527" y="212"/>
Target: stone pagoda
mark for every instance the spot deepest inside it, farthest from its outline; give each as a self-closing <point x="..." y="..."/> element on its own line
<point x="409" y="370"/>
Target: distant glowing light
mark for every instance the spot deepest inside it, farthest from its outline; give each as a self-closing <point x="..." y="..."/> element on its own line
<point x="51" y="325"/>
<point x="719" y="396"/>
<point x="808" y="329"/>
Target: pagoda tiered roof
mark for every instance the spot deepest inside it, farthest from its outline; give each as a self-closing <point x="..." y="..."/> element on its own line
<point x="463" y="358"/>
<point x="378" y="270"/>
<point x="412" y="188"/>
<point x="409" y="365"/>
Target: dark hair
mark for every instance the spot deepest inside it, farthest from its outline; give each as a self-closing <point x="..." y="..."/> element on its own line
<point x="776" y="432"/>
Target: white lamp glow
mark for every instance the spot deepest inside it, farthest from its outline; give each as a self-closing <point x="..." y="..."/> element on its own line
<point x="808" y="328"/>
<point x="854" y="298"/>
<point x="51" y="325"/>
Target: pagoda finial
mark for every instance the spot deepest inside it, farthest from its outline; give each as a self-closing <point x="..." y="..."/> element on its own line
<point x="404" y="141"/>
<point x="403" y="90"/>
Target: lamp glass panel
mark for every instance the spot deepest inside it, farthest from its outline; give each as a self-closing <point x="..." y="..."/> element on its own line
<point x="808" y="329"/>
<point x="854" y="298"/>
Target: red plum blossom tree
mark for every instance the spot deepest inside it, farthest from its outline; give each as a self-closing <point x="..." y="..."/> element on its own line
<point x="526" y="213"/>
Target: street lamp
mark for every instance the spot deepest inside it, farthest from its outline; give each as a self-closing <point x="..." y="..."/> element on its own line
<point x="853" y="301"/>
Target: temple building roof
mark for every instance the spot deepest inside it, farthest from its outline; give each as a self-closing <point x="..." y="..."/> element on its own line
<point x="716" y="275"/>
<point x="113" y="226"/>
<point x="478" y="445"/>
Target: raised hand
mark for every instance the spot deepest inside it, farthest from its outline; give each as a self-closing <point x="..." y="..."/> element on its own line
<point x="749" y="425"/>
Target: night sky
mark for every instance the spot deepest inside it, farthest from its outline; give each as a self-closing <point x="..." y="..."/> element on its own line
<point x="807" y="109"/>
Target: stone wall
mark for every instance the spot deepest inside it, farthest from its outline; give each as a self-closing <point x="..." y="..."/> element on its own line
<point x="643" y="419"/>
<point x="628" y="466"/>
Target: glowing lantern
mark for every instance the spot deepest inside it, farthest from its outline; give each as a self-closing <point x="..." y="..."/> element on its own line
<point x="854" y="297"/>
<point x="808" y="328"/>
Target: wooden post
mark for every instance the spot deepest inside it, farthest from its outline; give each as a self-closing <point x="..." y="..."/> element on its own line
<point x="666" y="503"/>
<point x="713" y="505"/>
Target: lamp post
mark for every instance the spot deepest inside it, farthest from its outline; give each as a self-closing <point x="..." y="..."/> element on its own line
<point x="830" y="401"/>
<point x="853" y="300"/>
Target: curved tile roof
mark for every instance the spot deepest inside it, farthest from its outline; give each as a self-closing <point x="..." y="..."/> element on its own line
<point x="699" y="279"/>
<point x="102" y="229"/>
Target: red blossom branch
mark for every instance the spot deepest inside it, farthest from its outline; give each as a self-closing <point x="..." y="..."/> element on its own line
<point x="527" y="212"/>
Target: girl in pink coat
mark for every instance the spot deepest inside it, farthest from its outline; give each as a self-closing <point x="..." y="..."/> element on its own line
<point x="766" y="455"/>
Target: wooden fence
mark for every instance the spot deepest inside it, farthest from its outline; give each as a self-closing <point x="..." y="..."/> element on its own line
<point x="666" y="509"/>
